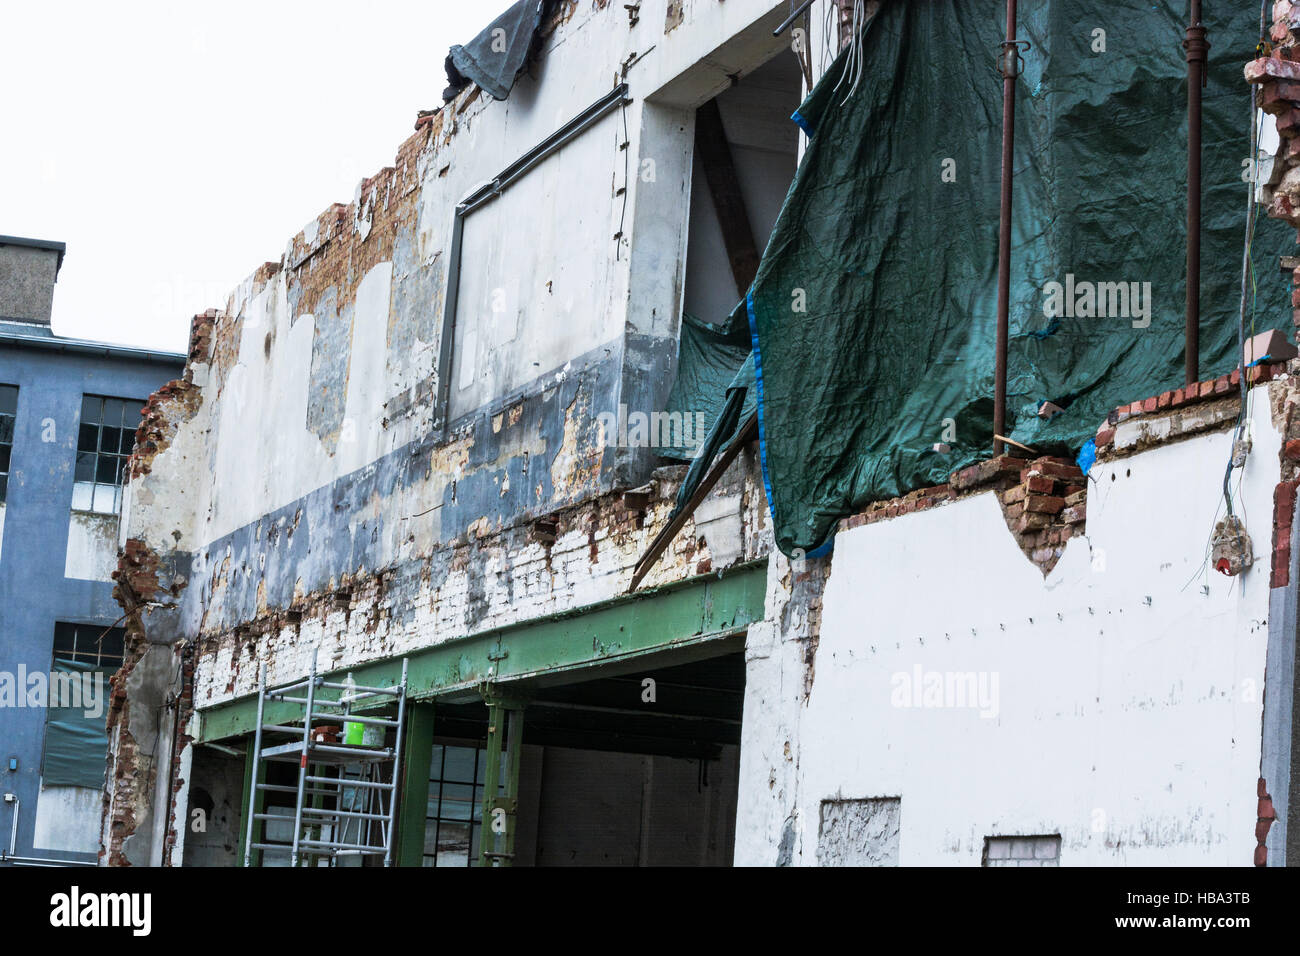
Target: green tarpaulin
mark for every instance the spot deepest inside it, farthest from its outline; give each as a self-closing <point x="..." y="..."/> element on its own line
<point x="709" y="357"/>
<point x="873" y="315"/>
<point x="76" y="741"/>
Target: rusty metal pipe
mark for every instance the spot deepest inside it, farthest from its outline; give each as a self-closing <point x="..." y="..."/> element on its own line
<point x="1197" y="48"/>
<point x="1010" y="69"/>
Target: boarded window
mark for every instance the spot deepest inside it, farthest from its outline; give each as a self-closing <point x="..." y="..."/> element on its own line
<point x="1022" y="850"/>
<point x="859" y="832"/>
<point x="85" y="656"/>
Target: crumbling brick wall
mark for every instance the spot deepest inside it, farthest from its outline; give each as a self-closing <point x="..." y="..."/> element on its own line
<point x="155" y="679"/>
<point x="147" y="682"/>
<point x="1043" y="500"/>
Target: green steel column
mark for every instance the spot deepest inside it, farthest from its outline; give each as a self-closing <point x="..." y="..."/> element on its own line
<point x="514" y="744"/>
<point x="414" y="788"/>
<point x="255" y="797"/>
<point x="505" y="733"/>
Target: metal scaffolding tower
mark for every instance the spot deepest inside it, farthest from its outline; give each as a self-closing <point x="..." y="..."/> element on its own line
<point x="345" y="801"/>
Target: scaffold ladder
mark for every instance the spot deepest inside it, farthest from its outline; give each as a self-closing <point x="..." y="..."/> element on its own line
<point x="345" y="800"/>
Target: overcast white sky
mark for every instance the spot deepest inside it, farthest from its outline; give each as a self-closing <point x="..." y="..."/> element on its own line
<point x="176" y="146"/>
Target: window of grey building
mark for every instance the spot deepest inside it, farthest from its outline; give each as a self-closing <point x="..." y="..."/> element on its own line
<point x="104" y="441"/>
<point x="89" y="644"/>
<point x="1022" y="850"/>
<point x="8" y="414"/>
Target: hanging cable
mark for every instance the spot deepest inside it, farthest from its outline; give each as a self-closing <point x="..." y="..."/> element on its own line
<point x="1247" y="274"/>
<point x="829" y="29"/>
<point x="853" y="64"/>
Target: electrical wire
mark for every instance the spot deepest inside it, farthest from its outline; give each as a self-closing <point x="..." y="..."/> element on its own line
<point x="853" y="65"/>
<point x="627" y="185"/>
<point x="828" y="30"/>
<point x="1248" y="285"/>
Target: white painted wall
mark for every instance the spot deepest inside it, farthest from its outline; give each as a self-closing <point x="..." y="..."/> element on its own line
<point x="535" y="270"/>
<point x="1129" y="706"/>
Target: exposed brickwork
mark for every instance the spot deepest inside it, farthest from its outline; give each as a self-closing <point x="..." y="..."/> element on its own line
<point x="140" y="581"/>
<point x="351" y="239"/>
<point x="130" y="778"/>
<point x="1277" y="78"/>
<point x="183" y="709"/>
<point x="1043" y="501"/>
<point x="163" y="413"/>
<point x="1284" y="495"/>
<point x="1277" y="81"/>
<point x="200" y="350"/>
<point x="1283" y="511"/>
<point x="1264" y="822"/>
<point x="137" y="576"/>
<point x="1212" y="389"/>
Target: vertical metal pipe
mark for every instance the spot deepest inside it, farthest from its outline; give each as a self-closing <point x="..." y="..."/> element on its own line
<point x="13" y="828"/>
<point x="1197" y="49"/>
<point x="302" y="764"/>
<point x="397" y="763"/>
<point x="1010" y="69"/>
<point x="257" y="755"/>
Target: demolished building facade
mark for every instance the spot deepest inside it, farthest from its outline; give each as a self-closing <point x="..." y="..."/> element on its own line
<point x="391" y="449"/>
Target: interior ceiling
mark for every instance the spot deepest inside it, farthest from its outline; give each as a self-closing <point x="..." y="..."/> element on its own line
<point x="696" y="710"/>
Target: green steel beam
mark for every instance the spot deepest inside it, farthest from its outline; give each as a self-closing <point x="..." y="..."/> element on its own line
<point x="624" y="630"/>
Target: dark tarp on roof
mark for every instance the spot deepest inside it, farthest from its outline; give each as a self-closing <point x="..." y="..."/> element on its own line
<point x="495" y="57"/>
<point x="898" y="267"/>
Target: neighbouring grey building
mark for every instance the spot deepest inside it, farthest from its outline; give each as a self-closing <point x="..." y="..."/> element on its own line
<point x="69" y="410"/>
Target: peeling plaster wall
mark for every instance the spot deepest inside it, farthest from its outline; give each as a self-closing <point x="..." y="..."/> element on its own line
<point x="483" y="582"/>
<point x="92" y="547"/>
<point x="318" y="378"/>
<point x="1129" y="699"/>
